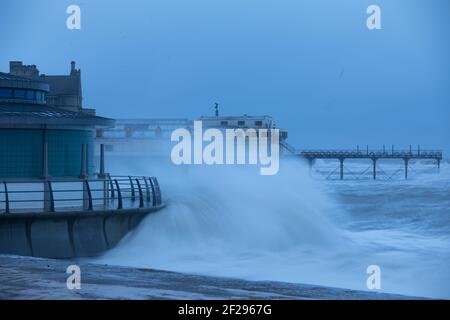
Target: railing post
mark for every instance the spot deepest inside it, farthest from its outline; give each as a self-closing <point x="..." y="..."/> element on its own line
<point x="158" y="191"/>
<point x="112" y="187"/>
<point x="341" y="171"/>
<point x="153" y="191"/>
<point x="49" y="202"/>
<point x="147" y="190"/>
<point x="119" y="195"/>
<point x="87" y="196"/>
<point x="141" y="195"/>
<point x="6" y="197"/>
<point x="133" y="195"/>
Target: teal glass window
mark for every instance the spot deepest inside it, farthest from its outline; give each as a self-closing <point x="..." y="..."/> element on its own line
<point x="20" y="94"/>
<point x="31" y="95"/>
<point x="6" y="93"/>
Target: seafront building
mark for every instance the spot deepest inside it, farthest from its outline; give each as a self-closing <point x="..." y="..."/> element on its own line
<point x="44" y="130"/>
<point x="54" y="201"/>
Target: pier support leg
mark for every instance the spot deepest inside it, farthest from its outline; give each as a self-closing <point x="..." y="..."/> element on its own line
<point x="374" y="169"/>
<point x="310" y="164"/>
<point x="341" y="168"/>
<point x="406" y="168"/>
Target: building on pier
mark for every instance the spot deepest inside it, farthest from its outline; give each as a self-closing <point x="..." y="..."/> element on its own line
<point x="151" y="137"/>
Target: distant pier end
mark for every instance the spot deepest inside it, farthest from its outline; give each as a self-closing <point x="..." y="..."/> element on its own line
<point x="374" y="155"/>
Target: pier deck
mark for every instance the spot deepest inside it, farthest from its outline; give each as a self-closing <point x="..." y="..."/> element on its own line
<point x="374" y="155"/>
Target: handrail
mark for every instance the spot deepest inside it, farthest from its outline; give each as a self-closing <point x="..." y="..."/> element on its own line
<point x="58" y="195"/>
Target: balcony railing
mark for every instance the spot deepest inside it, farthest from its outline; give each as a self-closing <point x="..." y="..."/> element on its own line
<point x="63" y="195"/>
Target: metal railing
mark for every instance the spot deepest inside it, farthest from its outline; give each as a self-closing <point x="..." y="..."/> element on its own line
<point x="412" y="153"/>
<point x="62" y="195"/>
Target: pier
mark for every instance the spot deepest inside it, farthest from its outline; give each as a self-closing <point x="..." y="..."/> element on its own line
<point x="374" y="155"/>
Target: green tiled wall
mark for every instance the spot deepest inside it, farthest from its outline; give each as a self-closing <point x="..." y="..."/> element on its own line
<point x="21" y="152"/>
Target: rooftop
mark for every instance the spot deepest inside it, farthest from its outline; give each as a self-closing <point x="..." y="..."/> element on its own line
<point x="43" y="115"/>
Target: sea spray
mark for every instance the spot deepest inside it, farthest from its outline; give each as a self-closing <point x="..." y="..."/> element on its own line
<point x="233" y="222"/>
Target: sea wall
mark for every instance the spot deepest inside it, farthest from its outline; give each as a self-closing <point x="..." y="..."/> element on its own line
<point x="67" y="234"/>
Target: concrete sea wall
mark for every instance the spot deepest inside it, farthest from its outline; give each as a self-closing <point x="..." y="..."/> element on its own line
<point x="67" y="234"/>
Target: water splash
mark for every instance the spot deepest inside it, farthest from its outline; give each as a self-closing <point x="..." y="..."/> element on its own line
<point x="233" y="222"/>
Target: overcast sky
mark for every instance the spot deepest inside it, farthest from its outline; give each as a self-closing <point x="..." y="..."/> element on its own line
<point x="313" y="65"/>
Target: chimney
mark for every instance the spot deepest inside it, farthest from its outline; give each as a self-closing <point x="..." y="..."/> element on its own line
<point x="72" y="67"/>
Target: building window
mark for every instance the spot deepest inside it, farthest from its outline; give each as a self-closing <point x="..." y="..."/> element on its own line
<point x="241" y="123"/>
<point x="99" y="133"/>
<point x="20" y="94"/>
<point x="6" y="93"/>
<point x="38" y="95"/>
<point x="31" y="95"/>
<point x="224" y="123"/>
<point x="258" y="123"/>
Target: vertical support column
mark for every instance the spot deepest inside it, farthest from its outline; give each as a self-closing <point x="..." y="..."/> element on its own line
<point x="310" y="164"/>
<point x="102" y="175"/>
<point x="341" y="160"/>
<point x="367" y="149"/>
<point x="83" y="162"/>
<point x="374" y="160"/>
<point x="439" y="165"/>
<point x="102" y="161"/>
<point x="406" y="168"/>
<point x="45" y="161"/>
<point x="384" y="149"/>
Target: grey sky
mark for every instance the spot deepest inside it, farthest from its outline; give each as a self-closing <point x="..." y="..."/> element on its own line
<point x="313" y="64"/>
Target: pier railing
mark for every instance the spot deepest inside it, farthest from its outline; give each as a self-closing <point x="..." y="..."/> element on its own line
<point x="62" y="195"/>
<point x="378" y="153"/>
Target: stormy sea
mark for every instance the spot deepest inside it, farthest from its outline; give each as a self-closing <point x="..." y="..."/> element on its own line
<point x="231" y="233"/>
